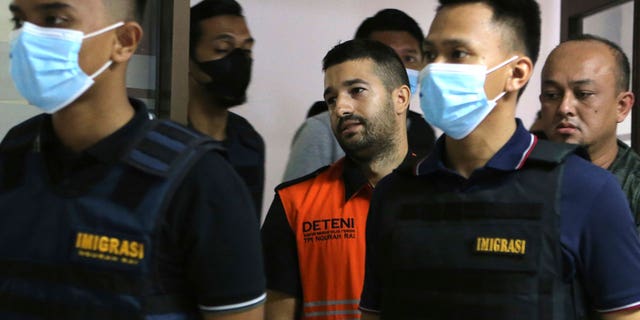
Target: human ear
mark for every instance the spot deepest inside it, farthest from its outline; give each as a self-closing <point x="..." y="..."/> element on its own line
<point x="520" y="75"/>
<point x="127" y="40"/>
<point x="624" y="105"/>
<point x="401" y="98"/>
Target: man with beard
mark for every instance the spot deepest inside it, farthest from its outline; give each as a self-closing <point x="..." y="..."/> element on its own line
<point x="219" y="74"/>
<point x="314" y="232"/>
<point x="314" y="145"/>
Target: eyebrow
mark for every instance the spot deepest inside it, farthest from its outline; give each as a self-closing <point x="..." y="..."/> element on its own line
<point x="573" y="83"/>
<point x="226" y="36"/>
<point x="41" y="7"/>
<point x="449" y="43"/>
<point x="346" y="83"/>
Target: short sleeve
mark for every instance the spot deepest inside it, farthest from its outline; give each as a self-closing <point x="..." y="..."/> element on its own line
<point x="599" y="231"/>
<point x="213" y="226"/>
<point x="313" y="147"/>
<point x="280" y="252"/>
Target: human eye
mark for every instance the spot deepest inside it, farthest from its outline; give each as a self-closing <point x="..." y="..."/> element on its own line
<point x="356" y="90"/>
<point x="54" y="20"/>
<point x="583" y="94"/>
<point x="410" y="59"/>
<point x="549" y="95"/>
<point x="330" y="100"/>
<point x="429" y="55"/>
<point x="17" y="22"/>
<point x="459" y="54"/>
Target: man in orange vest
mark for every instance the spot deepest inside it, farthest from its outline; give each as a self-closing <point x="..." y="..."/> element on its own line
<point x="314" y="237"/>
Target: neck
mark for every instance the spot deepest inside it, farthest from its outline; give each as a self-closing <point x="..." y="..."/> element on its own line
<point x="604" y="155"/>
<point x="382" y="164"/>
<point x="475" y="150"/>
<point x="98" y="113"/>
<point x="204" y="115"/>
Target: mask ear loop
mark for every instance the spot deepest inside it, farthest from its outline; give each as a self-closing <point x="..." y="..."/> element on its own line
<point x="502" y="64"/>
<point x="95" y="33"/>
<point x="103" y="30"/>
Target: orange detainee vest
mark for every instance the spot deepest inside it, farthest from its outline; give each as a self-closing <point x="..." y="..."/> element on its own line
<point x="330" y="239"/>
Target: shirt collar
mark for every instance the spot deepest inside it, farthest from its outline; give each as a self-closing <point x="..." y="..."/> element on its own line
<point x="110" y="149"/>
<point x="107" y="150"/>
<point x="510" y="157"/>
<point x="355" y="180"/>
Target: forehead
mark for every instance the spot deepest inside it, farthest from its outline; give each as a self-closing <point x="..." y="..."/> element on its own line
<point x="470" y="23"/>
<point x="398" y="40"/>
<point x="225" y="24"/>
<point x="353" y="69"/>
<point x="77" y="5"/>
<point x="581" y="59"/>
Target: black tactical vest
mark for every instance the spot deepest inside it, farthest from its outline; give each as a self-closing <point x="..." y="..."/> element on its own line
<point x="491" y="253"/>
<point x="91" y="255"/>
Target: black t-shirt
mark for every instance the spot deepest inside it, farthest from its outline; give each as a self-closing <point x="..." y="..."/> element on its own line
<point x="208" y="242"/>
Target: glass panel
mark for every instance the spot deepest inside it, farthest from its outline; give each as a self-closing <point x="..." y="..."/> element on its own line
<point x="615" y="24"/>
<point x="142" y="71"/>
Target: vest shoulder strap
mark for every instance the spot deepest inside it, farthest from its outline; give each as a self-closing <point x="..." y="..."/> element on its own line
<point x="164" y="146"/>
<point x="165" y="150"/>
<point x="303" y="178"/>
<point x="14" y="147"/>
<point x="23" y="136"/>
<point x="554" y="153"/>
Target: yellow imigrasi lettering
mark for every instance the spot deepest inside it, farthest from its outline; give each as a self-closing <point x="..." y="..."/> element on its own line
<point x="108" y="247"/>
<point x="501" y="245"/>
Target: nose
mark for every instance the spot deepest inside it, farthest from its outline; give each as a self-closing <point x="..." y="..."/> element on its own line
<point x="567" y="107"/>
<point x="344" y="106"/>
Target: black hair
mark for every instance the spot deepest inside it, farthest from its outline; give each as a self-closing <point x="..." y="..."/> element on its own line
<point x="387" y="64"/>
<point x="623" y="65"/>
<point x="209" y="9"/>
<point x="390" y="20"/>
<point x="522" y="16"/>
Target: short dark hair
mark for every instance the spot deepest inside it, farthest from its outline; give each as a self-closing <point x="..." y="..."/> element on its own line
<point x="622" y="62"/>
<point x="387" y="64"/>
<point x="209" y="9"/>
<point x="390" y="20"/>
<point x="133" y="9"/>
<point x="522" y="16"/>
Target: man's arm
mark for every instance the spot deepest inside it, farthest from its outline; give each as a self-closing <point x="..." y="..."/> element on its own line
<point x="370" y="316"/>
<point x="621" y="315"/>
<point x="281" y="306"/>
<point x="281" y="264"/>
<point x="256" y="313"/>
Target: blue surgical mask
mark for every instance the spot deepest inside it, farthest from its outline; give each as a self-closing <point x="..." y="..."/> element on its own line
<point x="413" y="79"/>
<point x="452" y="96"/>
<point x="44" y="65"/>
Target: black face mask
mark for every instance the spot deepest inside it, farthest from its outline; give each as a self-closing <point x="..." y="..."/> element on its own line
<point x="231" y="76"/>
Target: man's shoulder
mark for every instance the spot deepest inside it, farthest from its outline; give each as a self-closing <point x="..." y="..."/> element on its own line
<point x="24" y="132"/>
<point x="327" y="174"/>
<point x="245" y="130"/>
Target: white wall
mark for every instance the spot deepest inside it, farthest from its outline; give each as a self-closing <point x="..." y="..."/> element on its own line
<point x="292" y="38"/>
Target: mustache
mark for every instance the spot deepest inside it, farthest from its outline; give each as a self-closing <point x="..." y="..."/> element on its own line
<point x="351" y="117"/>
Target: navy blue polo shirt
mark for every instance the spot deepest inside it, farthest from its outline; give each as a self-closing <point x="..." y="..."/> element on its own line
<point x="600" y="244"/>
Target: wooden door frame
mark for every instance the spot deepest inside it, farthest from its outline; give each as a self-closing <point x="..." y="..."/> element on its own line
<point x="572" y="13"/>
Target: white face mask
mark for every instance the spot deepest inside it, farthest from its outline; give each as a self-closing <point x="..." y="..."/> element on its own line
<point x="45" y="68"/>
<point x="452" y="96"/>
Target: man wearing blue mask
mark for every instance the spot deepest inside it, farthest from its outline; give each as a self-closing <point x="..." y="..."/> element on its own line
<point x="496" y="224"/>
<point x="315" y="146"/>
<point x="105" y="213"/>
